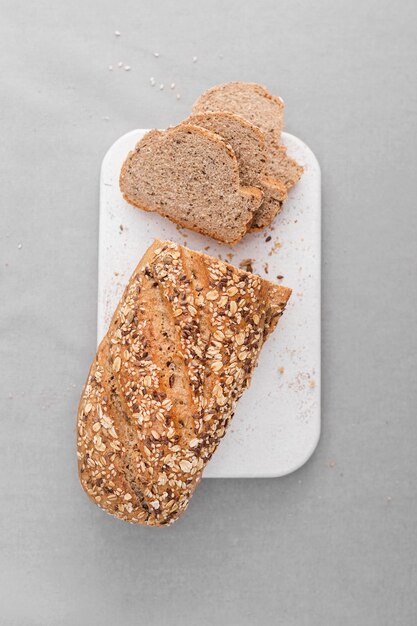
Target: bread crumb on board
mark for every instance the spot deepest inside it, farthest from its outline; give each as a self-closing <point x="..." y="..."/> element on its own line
<point x="276" y="246"/>
<point x="247" y="265"/>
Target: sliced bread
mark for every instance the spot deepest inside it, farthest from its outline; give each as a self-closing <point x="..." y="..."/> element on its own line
<point x="248" y="144"/>
<point x="254" y="103"/>
<point x="284" y="167"/>
<point x="191" y="176"/>
<point x="251" y="101"/>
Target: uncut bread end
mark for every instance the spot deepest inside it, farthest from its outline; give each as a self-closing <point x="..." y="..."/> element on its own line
<point x="190" y="175"/>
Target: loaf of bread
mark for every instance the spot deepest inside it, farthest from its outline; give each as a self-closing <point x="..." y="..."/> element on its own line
<point x="190" y="175"/>
<point x="179" y="352"/>
<point x="265" y="111"/>
<point x="248" y="144"/>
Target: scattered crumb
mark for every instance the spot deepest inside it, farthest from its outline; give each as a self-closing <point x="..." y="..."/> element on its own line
<point x="230" y="256"/>
<point x="388" y="499"/>
<point x="116" y="273"/>
<point x="161" y="86"/>
<point x="266" y="268"/>
<point x="312" y="384"/>
<point x="117" y="33"/>
<point x="247" y="264"/>
<point x="121" y="227"/>
<point x="105" y="118"/>
<point x="19" y="246"/>
<point x="120" y="64"/>
<point x="206" y="247"/>
<point x="280" y="277"/>
<point x="295" y="221"/>
<point x="152" y="81"/>
<point x="127" y="68"/>
<point x="172" y="86"/>
<point x="277" y="245"/>
<point x="332" y="464"/>
<point x="299" y="294"/>
<point x="301" y="382"/>
<point x="195" y="59"/>
<point x="281" y="370"/>
<point x="178" y="96"/>
<point x="268" y="238"/>
<point x="110" y="68"/>
<point x="156" y="54"/>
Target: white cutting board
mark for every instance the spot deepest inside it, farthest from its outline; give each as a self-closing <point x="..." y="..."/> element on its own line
<point x="277" y="422"/>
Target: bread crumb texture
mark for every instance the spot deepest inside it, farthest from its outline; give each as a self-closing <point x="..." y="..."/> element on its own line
<point x="190" y="175"/>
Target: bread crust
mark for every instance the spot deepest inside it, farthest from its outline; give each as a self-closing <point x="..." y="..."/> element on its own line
<point x="162" y="389"/>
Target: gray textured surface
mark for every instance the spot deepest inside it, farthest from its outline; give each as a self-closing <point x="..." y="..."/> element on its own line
<point x="334" y="543"/>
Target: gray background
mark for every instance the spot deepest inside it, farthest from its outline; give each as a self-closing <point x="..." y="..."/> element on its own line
<point x="332" y="544"/>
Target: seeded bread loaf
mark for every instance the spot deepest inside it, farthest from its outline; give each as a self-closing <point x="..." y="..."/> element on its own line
<point x="190" y="175"/>
<point x="248" y="144"/>
<point x="179" y="352"/>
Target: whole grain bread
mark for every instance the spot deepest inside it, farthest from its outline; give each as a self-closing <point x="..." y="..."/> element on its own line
<point x="254" y="103"/>
<point x="190" y="175"/>
<point x="179" y="352"/>
<point x="283" y="167"/>
<point x="248" y="144"/>
<point x="251" y="101"/>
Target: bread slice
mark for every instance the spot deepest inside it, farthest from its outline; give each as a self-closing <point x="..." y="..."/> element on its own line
<point x="254" y="103"/>
<point x="274" y="195"/>
<point x="190" y="175"/>
<point x="288" y="172"/>
<point x="251" y="101"/>
<point x="245" y="139"/>
<point x="248" y="144"/>
<point x="180" y="351"/>
<point x="283" y="167"/>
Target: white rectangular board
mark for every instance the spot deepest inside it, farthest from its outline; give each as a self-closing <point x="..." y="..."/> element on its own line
<point x="276" y="426"/>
